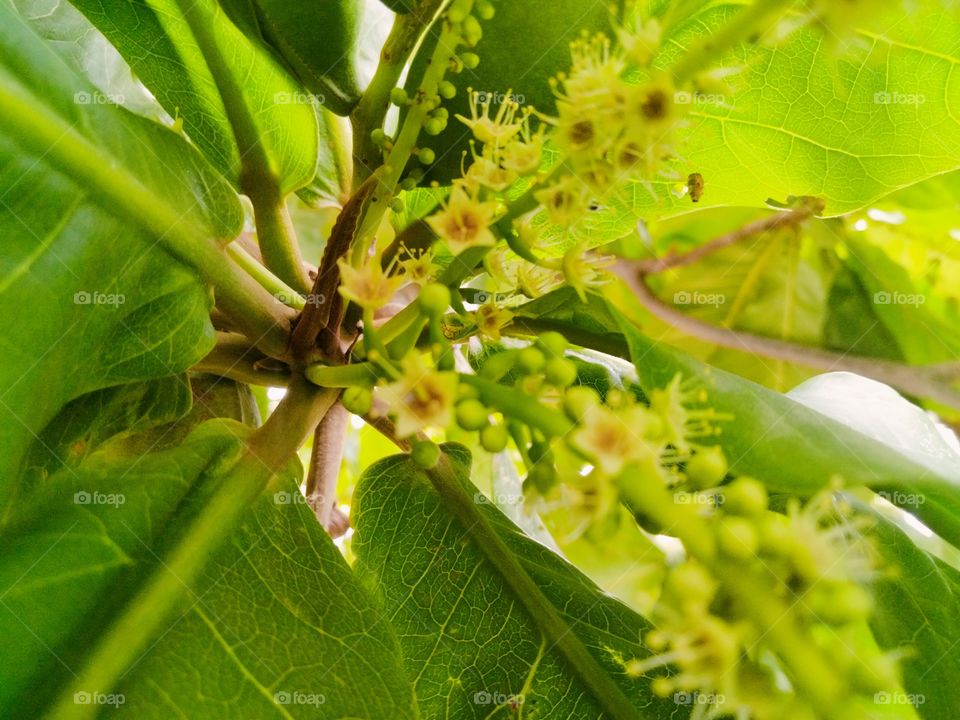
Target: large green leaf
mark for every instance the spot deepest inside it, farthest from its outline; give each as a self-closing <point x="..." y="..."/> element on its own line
<point x="286" y="626"/>
<point x="470" y="646"/>
<point x="154" y="38"/>
<point x="917" y="604"/>
<point x="795" y="449"/>
<point x="106" y="305"/>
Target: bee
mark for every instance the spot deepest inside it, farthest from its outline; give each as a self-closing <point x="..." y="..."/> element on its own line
<point x="695" y="186"/>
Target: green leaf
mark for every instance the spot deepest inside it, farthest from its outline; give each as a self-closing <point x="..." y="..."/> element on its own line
<point x="522" y="47"/>
<point x="285" y="625"/>
<point x="795" y="449"/>
<point x="319" y="41"/>
<point x="471" y="648"/>
<point x="917" y="604"/>
<point x="852" y="325"/>
<point x="155" y="39"/>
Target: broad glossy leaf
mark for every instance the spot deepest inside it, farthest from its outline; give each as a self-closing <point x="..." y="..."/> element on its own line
<point x="917" y="605"/>
<point x="155" y="40"/>
<point x="278" y="626"/>
<point x="795" y="449"/>
<point x="106" y="305"/>
<point x="471" y="649"/>
<point x="319" y="41"/>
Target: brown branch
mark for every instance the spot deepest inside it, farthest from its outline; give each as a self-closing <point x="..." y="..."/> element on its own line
<point x="325" y="459"/>
<point x="914" y="381"/>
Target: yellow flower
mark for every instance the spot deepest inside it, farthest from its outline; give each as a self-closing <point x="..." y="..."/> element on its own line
<point x="582" y="270"/>
<point x="421" y="398"/>
<point x="464" y="221"/>
<point x="491" y="319"/>
<point x="496" y="130"/>
<point x="614" y="439"/>
<point x="419" y="268"/>
<point x="565" y="201"/>
<point x="368" y="286"/>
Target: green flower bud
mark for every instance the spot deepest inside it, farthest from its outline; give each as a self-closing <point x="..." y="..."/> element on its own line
<point x="425" y="454"/>
<point x="379" y="137"/>
<point x="357" y="400"/>
<point x="398" y="96"/>
<point x="494" y="438"/>
<point x="472" y="32"/>
<point x="447" y="90"/>
<point x="435" y="299"/>
<point x="745" y="496"/>
<point x="577" y="400"/>
<point x="553" y="343"/>
<point x="530" y="360"/>
<point x="472" y="415"/>
<point x="707" y="468"/>
<point x="434" y="126"/>
<point x="484" y="9"/>
<point x="560" y="372"/>
<point x="427" y="156"/>
<point x="470" y="60"/>
<point x="775" y="535"/>
<point x="542" y="477"/>
<point x="737" y="538"/>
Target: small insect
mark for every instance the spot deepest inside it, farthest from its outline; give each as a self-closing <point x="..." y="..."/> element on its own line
<point x="695" y="186"/>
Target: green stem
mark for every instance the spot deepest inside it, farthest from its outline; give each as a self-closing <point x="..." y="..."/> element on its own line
<point x="267" y="280"/>
<point x="250" y="306"/>
<point x="443" y="57"/>
<point x="267" y="451"/>
<point x="371" y="111"/>
<point x="343" y="376"/>
<point x="556" y="630"/>
<point x="258" y="179"/>
<point x="519" y="406"/>
<point x="751" y="22"/>
<point x="234" y="357"/>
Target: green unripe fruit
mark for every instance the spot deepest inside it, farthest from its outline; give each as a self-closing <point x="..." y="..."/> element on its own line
<point x="472" y="415"/>
<point x="470" y="60"/>
<point x="434" y="299"/>
<point x="484" y="10"/>
<point x="707" y="468"/>
<point x="554" y="343"/>
<point x="472" y="32"/>
<point x="494" y="438"/>
<point x="379" y="137"/>
<point x="434" y="126"/>
<point x="745" y="496"/>
<point x="775" y="535"/>
<point x="425" y="454"/>
<point x="577" y="400"/>
<point x="447" y="90"/>
<point x="427" y="156"/>
<point x="737" y="538"/>
<point x="398" y="96"/>
<point x="530" y="360"/>
<point x="357" y="400"/>
<point x="560" y="372"/>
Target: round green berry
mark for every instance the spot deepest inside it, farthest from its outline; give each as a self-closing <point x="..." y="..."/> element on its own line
<point x="379" y="137"/>
<point x="470" y="60"/>
<point x="776" y="537"/>
<point x="494" y="438"/>
<point x="357" y="400"/>
<point x="435" y="298"/>
<point x="737" y="537"/>
<point x="560" y="372"/>
<point x="472" y="32"/>
<point x="425" y="454"/>
<point x="577" y="400"/>
<point x="398" y="96"/>
<point x="472" y="415"/>
<point x="484" y="10"/>
<point x="447" y="90"/>
<point x="542" y="477"/>
<point x="745" y="496"/>
<point x="435" y="126"/>
<point x="707" y="468"/>
<point x="427" y="156"/>
<point x="530" y="360"/>
<point x="690" y="583"/>
<point x="554" y="343"/>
